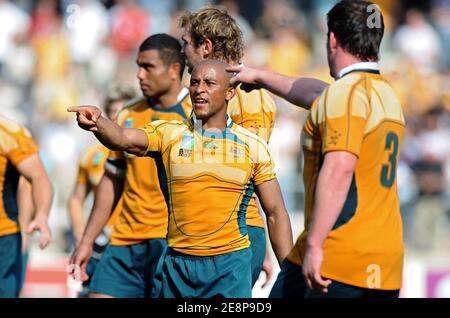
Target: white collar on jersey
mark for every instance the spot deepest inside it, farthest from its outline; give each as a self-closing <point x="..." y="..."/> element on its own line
<point x="182" y="94"/>
<point x="359" y="66"/>
<point x="194" y="118"/>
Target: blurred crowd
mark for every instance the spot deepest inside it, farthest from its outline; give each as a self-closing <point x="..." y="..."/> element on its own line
<point x="59" y="53"/>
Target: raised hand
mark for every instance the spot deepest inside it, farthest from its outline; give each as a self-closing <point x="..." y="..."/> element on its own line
<point x="246" y="76"/>
<point x="87" y="116"/>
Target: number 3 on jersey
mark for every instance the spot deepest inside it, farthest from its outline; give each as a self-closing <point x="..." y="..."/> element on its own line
<point x="389" y="171"/>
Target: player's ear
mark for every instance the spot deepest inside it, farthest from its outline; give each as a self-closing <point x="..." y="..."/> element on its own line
<point x="208" y="48"/>
<point x="231" y="91"/>
<point x="174" y="70"/>
<point x="332" y="42"/>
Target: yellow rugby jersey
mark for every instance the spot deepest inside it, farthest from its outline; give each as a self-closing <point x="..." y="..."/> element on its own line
<point x="91" y="167"/>
<point x="211" y="177"/>
<point x="144" y="210"/>
<point x="90" y="172"/>
<point x="256" y="112"/>
<point x="16" y="144"/>
<point x="361" y="114"/>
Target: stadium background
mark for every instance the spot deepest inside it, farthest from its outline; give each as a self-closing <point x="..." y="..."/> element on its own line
<point x="59" y="53"/>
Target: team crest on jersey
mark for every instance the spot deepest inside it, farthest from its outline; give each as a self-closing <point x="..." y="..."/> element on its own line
<point x="97" y="159"/>
<point x="236" y="151"/>
<point x="187" y="145"/>
<point x="129" y="122"/>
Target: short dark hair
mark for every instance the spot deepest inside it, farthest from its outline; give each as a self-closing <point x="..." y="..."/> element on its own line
<point x="351" y="22"/>
<point x="169" y="49"/>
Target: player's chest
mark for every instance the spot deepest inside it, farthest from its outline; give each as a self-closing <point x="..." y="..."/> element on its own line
<point x="194" y="155"/>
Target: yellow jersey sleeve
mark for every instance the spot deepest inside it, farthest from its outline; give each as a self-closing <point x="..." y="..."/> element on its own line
<point x="116" y="155"/>
<point x="343" y="112"/>
<point x="254" y="111"/>
<point x="155" y="133"/>
<point x="19" y="145"/>
<point x="121" y="120"/>
<point x="264" y="168"/>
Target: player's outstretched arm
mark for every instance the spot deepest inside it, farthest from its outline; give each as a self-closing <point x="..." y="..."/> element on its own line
<point x="298" y="91"/>
<point x="42" y="193"/>
<point x="278" y="223"/>
<point x="109" y="133"/>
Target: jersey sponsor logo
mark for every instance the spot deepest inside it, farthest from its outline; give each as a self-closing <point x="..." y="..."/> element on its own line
<point x="129" y="122"/>
<point x="236" y="152"/>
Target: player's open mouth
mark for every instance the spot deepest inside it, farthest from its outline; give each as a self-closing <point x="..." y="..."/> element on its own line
<point x="200" y="102"/>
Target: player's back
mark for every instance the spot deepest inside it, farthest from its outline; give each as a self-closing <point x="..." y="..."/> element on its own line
<point x="360" y="114"/>
<point x="256" y="112"/>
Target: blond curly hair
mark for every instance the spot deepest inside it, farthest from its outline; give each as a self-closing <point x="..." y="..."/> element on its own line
<point x="214" y="23"/>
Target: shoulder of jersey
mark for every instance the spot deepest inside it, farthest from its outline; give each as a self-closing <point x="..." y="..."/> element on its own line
<point x="249" y="136"/>
<point x="130" y="106"/>
<point x="338" y="91"/>
<point x="347" y="81"/>
<point x="13" y="127"/>
<point x="174" y="122"/>
<point x="256" y="98"/>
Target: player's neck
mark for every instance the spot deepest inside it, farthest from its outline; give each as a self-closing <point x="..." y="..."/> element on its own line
<point x="344" y="60"/>
<point x="170" y="98"/>
<point x="216" y="122"/>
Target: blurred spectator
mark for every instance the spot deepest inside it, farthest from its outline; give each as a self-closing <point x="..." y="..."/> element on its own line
<point x="285" y="146"/>
<point x="86" y="22"/>
<point x="129" y="27"/>
<point x="288" y="55"/>
<point x="233" y="8"/>
<point x="160" y="14"/>
<point x="418" y="41"/>
<point x="49" y="42"/>
<point x="14" y="24"/>
<point x="430" y="222"/>
<point x="441" y="15"/>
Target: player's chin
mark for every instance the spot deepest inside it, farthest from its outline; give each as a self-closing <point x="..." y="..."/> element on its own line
<point x="147" y="92"/>
<point x="201" y="113"/>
